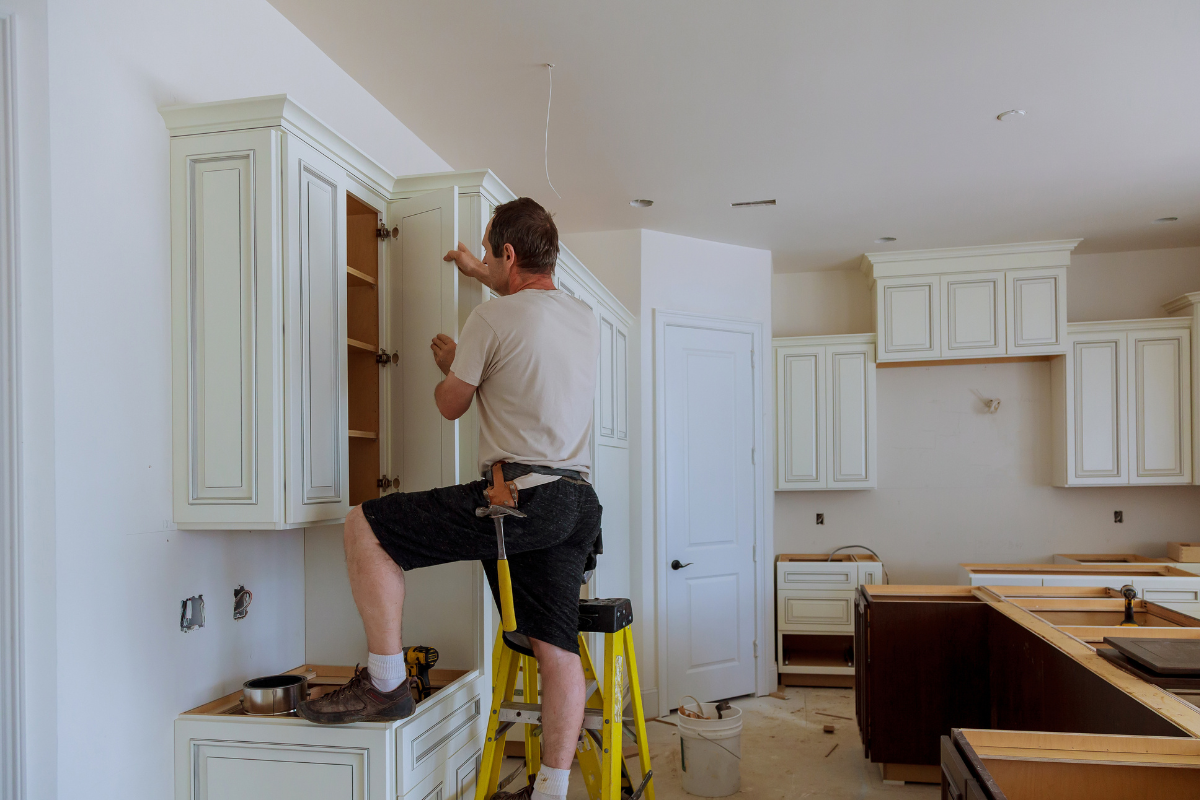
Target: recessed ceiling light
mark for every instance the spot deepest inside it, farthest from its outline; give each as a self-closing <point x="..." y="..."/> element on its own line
<point x="752" y="204"/>
<point x="641" y="203"/>
<point x="885" y="239"/>
<point x="1013" y="114"/>
<point x="1161" y="220"/>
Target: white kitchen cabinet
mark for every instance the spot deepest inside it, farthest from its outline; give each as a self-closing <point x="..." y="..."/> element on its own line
<point x="1036" y="300"/>
<point x="825" y="412"/>
<point x="1162" y="583"/>
<point x="970" y="302"/>
<point x="222" y="754"/>
<point x="973" y="307"/>
<point x="814" y="615"/>
<point x="1122" y="404"/>
<point x="908" y="311"/>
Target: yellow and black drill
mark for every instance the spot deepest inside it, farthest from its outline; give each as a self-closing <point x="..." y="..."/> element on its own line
<point x="419" y="660"/>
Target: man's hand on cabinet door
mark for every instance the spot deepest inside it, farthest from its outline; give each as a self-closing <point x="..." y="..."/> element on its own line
<point x="468" y="264"/>
<point x="443" y="348"/>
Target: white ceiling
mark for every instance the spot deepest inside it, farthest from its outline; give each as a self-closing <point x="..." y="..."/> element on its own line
<point x="863" y="119"/>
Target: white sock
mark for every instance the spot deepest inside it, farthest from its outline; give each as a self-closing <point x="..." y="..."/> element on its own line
<point x="551" y="784"/>
<point x="387" y="672"/>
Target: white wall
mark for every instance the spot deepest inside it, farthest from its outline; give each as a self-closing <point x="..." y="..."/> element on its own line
<point x="121" y="572"/>
<point x="958" y="485"/>
<point x="649" y="270"/>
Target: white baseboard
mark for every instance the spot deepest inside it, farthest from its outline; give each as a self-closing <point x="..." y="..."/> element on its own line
<point x="650" y="702"/>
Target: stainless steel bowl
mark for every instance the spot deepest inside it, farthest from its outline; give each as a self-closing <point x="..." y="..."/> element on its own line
<point x="274" y="695"/>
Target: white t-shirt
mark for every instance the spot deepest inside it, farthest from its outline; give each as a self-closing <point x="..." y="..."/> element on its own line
<point x="533" y="356"/>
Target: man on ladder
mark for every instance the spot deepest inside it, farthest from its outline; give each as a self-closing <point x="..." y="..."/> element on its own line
<point x="531" y="356"/>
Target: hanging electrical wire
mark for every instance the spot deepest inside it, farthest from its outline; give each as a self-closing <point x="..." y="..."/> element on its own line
<point x="549" y="100"/>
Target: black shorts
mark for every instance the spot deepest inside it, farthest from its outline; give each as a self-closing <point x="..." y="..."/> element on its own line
<point x="547" y="550"/>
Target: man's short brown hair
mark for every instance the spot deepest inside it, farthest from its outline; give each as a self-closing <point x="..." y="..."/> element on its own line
<point x="530" y="230"/>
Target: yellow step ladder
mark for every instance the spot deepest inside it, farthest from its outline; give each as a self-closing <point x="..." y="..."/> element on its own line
<point x="604" y="723"/>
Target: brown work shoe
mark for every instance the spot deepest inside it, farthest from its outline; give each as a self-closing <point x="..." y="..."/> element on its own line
<point x="524" y="793"/>
<point x="359" y="701"/>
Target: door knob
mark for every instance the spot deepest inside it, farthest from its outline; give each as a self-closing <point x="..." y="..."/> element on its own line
<point x="676" y="565"/>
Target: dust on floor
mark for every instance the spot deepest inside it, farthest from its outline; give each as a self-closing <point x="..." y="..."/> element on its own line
<point x="785" y="753"/>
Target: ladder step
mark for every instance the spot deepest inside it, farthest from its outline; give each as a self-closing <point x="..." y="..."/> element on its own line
<point x="531" y="714"/>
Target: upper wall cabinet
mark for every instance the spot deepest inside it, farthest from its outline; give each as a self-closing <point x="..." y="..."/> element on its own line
<point x="972" y="302"/>
<point x="825" y="412"/>
<point x="260" y="196"/>
<point x="1123" y="404"/>
<point x="307" y="283"/>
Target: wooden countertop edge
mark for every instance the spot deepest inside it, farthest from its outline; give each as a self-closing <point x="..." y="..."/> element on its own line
<point x="1162" y="703"/>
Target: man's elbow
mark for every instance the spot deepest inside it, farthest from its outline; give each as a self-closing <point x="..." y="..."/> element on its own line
<point x="448" y="408"/>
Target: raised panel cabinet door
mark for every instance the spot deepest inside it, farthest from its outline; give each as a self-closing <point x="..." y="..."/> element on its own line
<point x="315" y="371"/>
<point x="1036" y="301"/>
<point x="800" y="417"/>
<point x="1098" y="419"/>
<point x="973" y="314"/>
<point x="238" y="771"/>
<point x="423" y="302"/>
<point x="225" y="288"/>
<point x="850" y="416"/>
<point x="1160" y="424"/>
<point x="819" y="611"/>
<point x="907" y="314"/>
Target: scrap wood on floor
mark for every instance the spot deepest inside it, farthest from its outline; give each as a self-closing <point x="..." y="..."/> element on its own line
<point x="800" y="762"/>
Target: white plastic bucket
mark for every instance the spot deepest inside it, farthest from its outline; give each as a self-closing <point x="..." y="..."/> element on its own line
<point x="710" y="751"/>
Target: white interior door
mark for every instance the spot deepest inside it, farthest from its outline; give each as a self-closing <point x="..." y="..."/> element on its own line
<point x="709" y="502"/>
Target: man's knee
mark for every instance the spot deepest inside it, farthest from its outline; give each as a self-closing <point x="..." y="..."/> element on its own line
<point x="358" y="531"/>
<point x="544" y="652"/>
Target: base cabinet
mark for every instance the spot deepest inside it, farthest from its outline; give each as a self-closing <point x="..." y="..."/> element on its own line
<point x="433" y="754"/>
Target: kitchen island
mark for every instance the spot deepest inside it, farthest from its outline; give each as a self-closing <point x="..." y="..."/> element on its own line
<point x="933" y="658"/>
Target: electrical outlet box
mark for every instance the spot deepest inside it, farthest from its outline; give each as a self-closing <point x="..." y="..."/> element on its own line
<point x="191" y="614"/>
<point x="1118" y="516"/>
<point x="820" y="519"/>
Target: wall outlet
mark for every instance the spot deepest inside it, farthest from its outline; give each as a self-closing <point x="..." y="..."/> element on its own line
<point x="820" y="519"/>
<point x="1118" y="516"/>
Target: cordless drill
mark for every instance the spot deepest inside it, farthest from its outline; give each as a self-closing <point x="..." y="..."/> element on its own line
<point x="1130" y="594"/>
<point x="418" y="661"/>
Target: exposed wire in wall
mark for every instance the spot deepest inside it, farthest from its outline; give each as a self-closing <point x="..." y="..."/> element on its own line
<point x="549" y="100"/>
<point x="886" y="579"/>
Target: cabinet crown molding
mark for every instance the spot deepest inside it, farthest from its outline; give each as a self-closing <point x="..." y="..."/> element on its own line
<point x="845" y="338"/>
<point x="1153" y="323"/>
<point x="988" y="258"/>
<point x="276" y="111"/>
<point x="1183" y="304"/>
<point x="482" y="180"/>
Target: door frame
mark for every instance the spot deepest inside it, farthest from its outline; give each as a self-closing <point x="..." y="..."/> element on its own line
<point x="12" y="684"/>
<point x="664" y="319"/>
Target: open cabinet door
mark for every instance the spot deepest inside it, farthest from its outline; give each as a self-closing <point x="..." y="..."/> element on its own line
<point x="423" y="302"/>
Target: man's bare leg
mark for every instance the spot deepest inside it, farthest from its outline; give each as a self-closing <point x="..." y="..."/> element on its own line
<point x="562" y="702"/>
<point x="377" y="583"/>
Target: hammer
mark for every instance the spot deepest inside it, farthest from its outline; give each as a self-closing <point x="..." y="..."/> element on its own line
<point x="508" y="617"/>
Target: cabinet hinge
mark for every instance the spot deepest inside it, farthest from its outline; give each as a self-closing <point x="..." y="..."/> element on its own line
<point x="382" y="358"/>
<point x="754" y="553"/>
<point x="384" y="233"/>
<point x="756" y="648"/>
<point x="753" y="456"/>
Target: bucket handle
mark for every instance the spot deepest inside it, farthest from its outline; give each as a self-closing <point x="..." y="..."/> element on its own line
<point x="699" y="707"/>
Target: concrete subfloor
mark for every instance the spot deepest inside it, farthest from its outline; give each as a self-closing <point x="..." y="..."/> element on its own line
<point x="785" y="753"/>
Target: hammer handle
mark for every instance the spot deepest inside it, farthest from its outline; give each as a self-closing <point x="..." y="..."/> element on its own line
<point x="508" y="617"/>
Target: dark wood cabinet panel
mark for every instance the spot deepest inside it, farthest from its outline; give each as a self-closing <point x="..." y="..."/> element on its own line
<point x="1037" y="687"/>
<point x="926" y="672"/>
